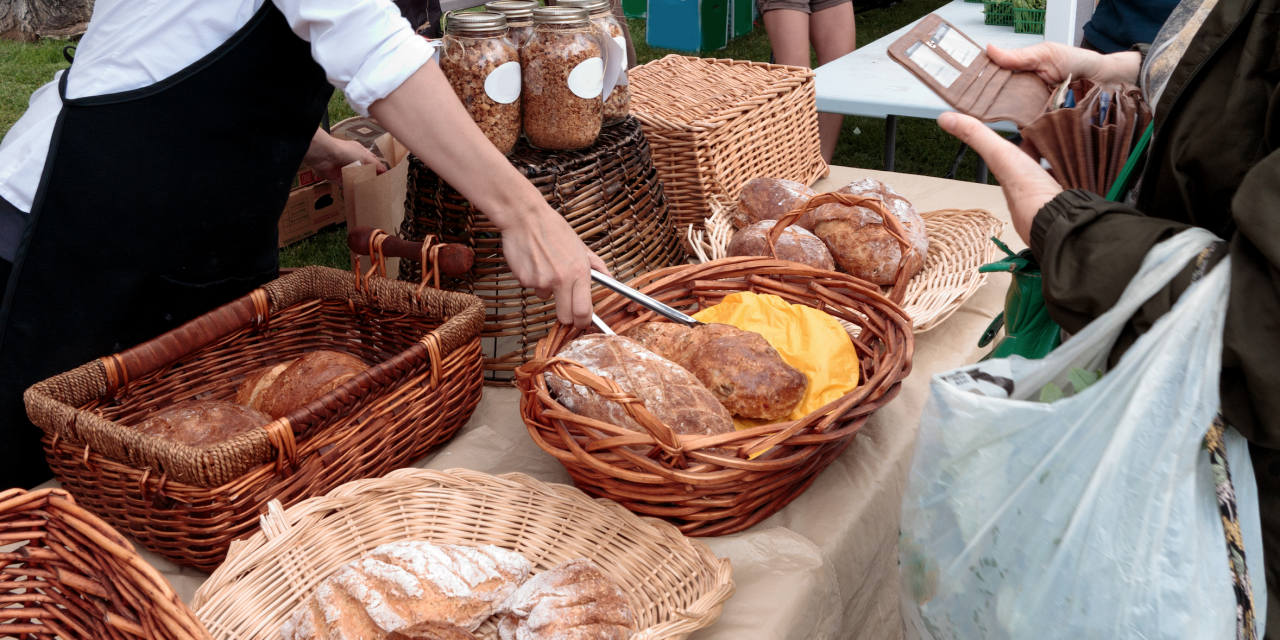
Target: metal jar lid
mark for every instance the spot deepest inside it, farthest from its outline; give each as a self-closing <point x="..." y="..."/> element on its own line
<point x="475" y="22"/>
<point x="595" y="7"/>
<point x="561" y="15"/>
<point x="514" y="10"/>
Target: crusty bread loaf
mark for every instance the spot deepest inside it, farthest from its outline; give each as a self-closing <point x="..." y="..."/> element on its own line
<point x="858" y="240"/>
<point x="279" y="389"/>
<point x="770" y="199"/>
<point x="740" y="368"/>
<point x="795" y="244"/>
<point x="405" y="584"/>
<point x="573" y="600"/>
<point x="669" y="392"/>
<point x="204" y="423"/>
<point x="432" y="631"/>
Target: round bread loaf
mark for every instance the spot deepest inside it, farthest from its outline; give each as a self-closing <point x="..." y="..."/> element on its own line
<point x="770" y="199"/>
<point x="858" y="240"/>
<point x="573" y="600"/>
<point x="795" y="244"/>
<point x="279" y="389"/>
<point x="204" y="423"/>
<point x="432" y="631"/>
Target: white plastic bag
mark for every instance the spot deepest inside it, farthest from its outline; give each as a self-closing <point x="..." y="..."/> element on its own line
<point x="1094" y="516"/>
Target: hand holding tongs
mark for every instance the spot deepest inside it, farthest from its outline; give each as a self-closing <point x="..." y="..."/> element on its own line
<point x="640" y="299"/>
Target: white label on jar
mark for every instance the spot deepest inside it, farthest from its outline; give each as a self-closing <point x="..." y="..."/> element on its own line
<point x="587" y="79"/>
<point x="622" y="46"/>
<point x="503" y="84"/>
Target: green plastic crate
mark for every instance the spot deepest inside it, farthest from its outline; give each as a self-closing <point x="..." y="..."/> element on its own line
<point x="1028" y="20"/>
<point x="635" y="8"/>
<point x="998" y="13"/>
<point x="977" y="1"/>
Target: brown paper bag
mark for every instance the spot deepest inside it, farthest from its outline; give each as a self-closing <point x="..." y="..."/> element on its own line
<point x="374" y="200"/>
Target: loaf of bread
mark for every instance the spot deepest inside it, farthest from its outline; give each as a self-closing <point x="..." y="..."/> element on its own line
<point x="279" y="389"/>
<point x="204" y="423"/>
<point x="770" y="199"/>
<point x="669" y="392"/>
<point x="858" y="240"/>
<point x="795" y="244"/>
<point x="402" y="585"/>
<point x="432" y="631"/>
<point x="740" y="368"/>
<point x="573" y="600"/>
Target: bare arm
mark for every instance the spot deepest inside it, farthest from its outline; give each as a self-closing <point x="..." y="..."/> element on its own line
<point x="544" y="252"/>
<point x="327" y="156"/>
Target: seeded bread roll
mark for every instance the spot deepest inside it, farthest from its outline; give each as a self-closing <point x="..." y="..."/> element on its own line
<point x="669" y="392"/>
<point x="279" y="389"/>
<point x="858" y="240"/>
<point x="204" y="423"/>
<point x="795" y="244"/>
<point x="770" y="199"/>
<point x="573" y="600"/>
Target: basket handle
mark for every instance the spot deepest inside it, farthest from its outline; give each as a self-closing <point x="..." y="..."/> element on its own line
<point x="454" y="260"/>
<point x="891" y="224"/>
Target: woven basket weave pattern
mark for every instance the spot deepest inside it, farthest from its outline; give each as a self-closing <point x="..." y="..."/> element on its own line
<point x="67" y="573"/>
<point x="610" y="195"/>
<point x="676" y="585"/>
<point x="407" y="403"/>
<point x="715" y="124"/>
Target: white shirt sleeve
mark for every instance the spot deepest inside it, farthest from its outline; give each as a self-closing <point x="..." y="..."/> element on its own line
<point x="365" y="47"/>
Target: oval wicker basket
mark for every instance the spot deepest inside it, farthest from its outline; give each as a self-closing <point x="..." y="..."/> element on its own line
<point x="676" y="585"/>
<point x="689" y="479"/>
<point x="959" y="243"/>
<point x="67" y="574"/>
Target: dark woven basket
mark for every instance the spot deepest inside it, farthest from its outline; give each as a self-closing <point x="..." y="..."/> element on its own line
<point x="609" y="193"/>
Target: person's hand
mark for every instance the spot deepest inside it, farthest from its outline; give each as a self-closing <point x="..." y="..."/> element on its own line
<point x="546" y="255"/>
<point x="1027" y="186"/>
<point x="1053" y="62"/>
<point x="327" y="156"/>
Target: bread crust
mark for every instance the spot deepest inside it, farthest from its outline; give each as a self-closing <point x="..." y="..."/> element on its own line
<point x="858" y="240"/>
<point x="795" y="245"/>
<point x="203" y="423"/>
<point x="570" y="601"/>
<point x="767" y="198"/>
<point x="279" y="389"/>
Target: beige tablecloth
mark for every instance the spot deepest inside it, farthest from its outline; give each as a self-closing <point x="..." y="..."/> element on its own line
<point x="826" y="565"/>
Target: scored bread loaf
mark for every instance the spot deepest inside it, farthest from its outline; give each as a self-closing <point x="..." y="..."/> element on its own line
<point x="858" y="240"/>
<point x="404" y="584"/>
<point x="432" y="631"/>
<point x="740" y="368"/>
<point x="770" y="199"/>
<point x="279" y="389"/>
<point x="204" y="422"/>
<point x="573" y="600"/>
<point x="668" y="391"/>
<point x="795" y="244"/>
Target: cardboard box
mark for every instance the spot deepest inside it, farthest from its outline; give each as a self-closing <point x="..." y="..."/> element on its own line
<point x="304" y="177"/>
<point x="309" y="210"/>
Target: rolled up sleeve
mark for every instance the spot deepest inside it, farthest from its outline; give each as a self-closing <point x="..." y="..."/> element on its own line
<point x="365" y="47"/>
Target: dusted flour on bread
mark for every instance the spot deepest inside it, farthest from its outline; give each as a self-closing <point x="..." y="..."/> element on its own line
<point x="570" y="601"/>
<point x="858" y="240"/>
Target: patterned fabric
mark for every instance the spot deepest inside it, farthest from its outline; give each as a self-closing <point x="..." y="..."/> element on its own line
<point x="1245" y="627"/>
<point x="1170" y="43"/>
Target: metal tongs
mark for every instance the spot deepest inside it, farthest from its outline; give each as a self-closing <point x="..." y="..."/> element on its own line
<point x="640" y="299"/>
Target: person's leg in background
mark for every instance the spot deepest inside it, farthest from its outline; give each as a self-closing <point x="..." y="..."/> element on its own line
<point x="1266" y="469"/>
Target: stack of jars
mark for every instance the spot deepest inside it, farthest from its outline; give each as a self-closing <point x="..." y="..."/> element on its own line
<point x="518" y="66"/>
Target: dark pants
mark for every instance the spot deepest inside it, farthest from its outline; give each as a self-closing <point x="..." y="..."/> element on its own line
<point x="1266" y="468"/>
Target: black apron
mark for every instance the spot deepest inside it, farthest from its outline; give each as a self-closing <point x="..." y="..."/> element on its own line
<point x="156" y="205"/>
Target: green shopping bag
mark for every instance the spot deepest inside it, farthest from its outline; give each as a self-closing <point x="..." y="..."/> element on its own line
<point x="1028" y="329"/>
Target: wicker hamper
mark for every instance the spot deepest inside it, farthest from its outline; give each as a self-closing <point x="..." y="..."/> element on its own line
<point x="715" y="124"/>
<point x="676" y="585"/>
<point x="188" y="504"/>
<point x="67" y="574"/>
<point x="609" y="193"/>
<point x="715" y="485"/>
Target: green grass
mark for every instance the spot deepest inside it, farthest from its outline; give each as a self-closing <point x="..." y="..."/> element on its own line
<point x="23" y="69"/>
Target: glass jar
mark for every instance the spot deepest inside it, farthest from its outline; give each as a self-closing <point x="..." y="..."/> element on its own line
<point x="618" y="105"/>
<point x="563" y="80"/>
<point x="519" y="15"/>
<point x="483" y="66"/>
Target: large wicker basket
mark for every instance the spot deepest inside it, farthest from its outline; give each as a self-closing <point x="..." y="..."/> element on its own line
<point x="609" y="193"/>
<point x="66" y="574"/>
<point x="189" y="504"/>
<point x="676" y="585"/>
<point x="692" y="480"/>
<point x="715" y="124"/>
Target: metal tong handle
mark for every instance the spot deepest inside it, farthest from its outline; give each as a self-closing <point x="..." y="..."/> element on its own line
<point x="643" y="300"/>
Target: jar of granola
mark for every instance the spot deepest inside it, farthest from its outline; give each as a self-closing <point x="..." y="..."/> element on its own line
<point x="618" y="104"/>
<point x="519" y="15"/>
<point x="563" y="80"/>
<point x="483" y="66"/>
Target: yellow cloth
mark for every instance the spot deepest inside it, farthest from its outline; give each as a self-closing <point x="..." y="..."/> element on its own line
<point x="807" y="339"/>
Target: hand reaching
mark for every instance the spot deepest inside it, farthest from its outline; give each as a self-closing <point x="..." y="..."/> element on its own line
<point x="546" y="255"/>
<point x="1053" y="62"/>
<point x="328" y="155"/>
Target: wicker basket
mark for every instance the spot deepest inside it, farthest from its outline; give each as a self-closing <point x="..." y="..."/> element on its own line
<point x="609" y="193"/>
<point x="188" y="505"/>
<point x="958" y="244"/>
<point x="690" y="480"/>
<point x="715" y="124"/>
<point x="676" y="585"/>
<point x="67" y="574"/>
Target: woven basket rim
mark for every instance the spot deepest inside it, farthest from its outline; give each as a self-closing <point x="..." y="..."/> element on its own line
<point x="727" y="113"/>
<point x="281" y="526"/>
